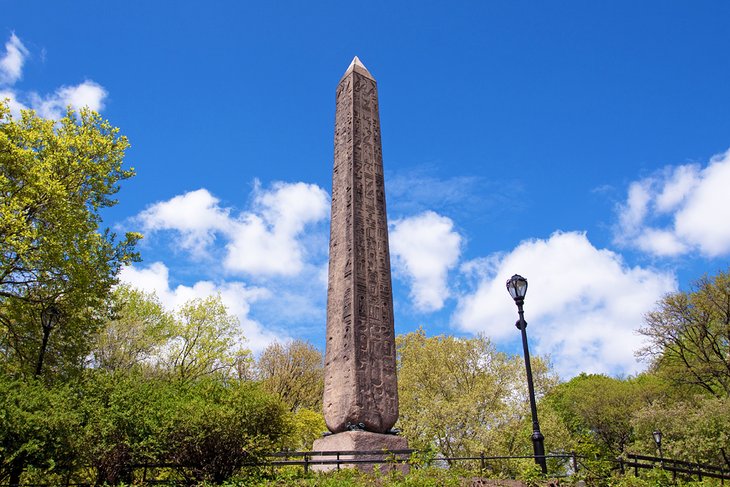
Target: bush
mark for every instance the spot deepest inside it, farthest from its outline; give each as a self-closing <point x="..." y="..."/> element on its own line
<point x="37" y="428"/>
<point x="208" y="426"/>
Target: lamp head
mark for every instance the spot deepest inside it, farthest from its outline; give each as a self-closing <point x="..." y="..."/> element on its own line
<point x="517" y="287"/>
<point x="657" y="437"/>
<point x="50" y="316"/>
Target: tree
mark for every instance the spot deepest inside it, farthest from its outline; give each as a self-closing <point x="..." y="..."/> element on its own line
<point x="55" y="178"/>
<point x="597" y="410"/>
<point x="689" y="336"/>
<point x="205" y="340"/>
<point x="461" y="396"/>
<point x="137" y="330"/>
<point x="294" y="372"/>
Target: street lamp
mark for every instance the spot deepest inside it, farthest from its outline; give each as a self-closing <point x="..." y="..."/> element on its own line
<point x="50" y="317"/>
<point x="658" y="440"/>
<point x="517" y="287"/>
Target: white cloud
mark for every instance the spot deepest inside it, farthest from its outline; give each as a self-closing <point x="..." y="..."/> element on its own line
<point x="267" y="240"/>
<point x="11" y="64"/>
<point x="425" y="247"/>
<point x="196" y="215"/>
<point x="235" y="295"/>
<point x="13" y="103"/>
<point x="87" y="94"/>
<point x="583" y="304"/>
<point x="53" y="106"/>
<point x="679" y="210"/>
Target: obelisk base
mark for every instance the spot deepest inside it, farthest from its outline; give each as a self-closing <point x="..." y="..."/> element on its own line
<point x="368" y="445"/>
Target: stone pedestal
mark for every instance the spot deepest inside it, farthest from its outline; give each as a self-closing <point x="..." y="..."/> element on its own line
<point x="368" y="444"/>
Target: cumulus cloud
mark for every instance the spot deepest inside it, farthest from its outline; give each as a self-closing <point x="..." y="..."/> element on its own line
<point x="11" y="64"/>
<point x="87" y="94"/>
<point x="53" y="106"/>
<point x="425" y="247"/>
<point x="583" y="304"/>
<point x="196" y="215"/>
<point x="266" y="240"/>
<point x="13" y="103"/>
<point x="235" y="295"/>
<point x="679" y="210"/>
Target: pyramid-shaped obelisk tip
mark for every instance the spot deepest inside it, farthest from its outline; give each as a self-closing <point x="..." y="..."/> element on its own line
<point x="357" y="66"/>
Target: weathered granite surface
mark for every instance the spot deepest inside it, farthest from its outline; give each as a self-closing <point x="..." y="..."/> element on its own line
<point x="360" y="377"/>
<point x="362" y="441"/>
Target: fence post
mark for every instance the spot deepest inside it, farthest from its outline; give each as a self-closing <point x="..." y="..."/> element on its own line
<point x="338" y="460"/>
<point x="621" y="465"/>
<point x="575" y="462"/>
<point x="306" y="463"/>
<point x="481" y="462"/>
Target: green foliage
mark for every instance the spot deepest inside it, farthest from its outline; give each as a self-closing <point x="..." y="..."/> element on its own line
<point x="205" y="340"/>
<point x="37" y="427"/>
<point x="55" y="177"/>
<point x="464" y="397"/>
<point x="695" y="430"/>
<point x="294" y="372"/>
<point x="306" y="426"/>
<point x="127" y="417"/>
<point x="689" y="336"/>
<point x="222" y="425"/>
<point x="208" y="425"/>
<point x="135" y="333"/>
<point x="598" y="411"/>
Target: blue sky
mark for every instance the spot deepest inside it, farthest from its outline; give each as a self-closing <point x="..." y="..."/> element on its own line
<point x="580" y="144"/>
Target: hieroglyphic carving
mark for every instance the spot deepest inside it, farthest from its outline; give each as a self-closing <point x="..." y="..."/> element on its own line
<point x="360" y="377"/>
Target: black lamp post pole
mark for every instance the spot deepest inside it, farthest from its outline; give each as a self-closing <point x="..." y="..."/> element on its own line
<point x="538" y="445"/>
<point x="658" y="440"/>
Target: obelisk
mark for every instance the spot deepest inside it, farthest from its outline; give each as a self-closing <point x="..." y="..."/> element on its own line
<point x="360" y="391"/>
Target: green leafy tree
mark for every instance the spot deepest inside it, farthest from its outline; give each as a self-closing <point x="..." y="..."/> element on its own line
<point x="689" y="336"/>
<point x="55" y="178"/>
<point x="294" y="372"/>
<point x="136" y="332"/>
<point x="598" y="410"/>
<point x="461" y="396"/>
<point x="205" y="340"/>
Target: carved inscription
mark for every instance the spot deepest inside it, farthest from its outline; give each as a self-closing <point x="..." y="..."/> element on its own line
<point x="360" y="377"/>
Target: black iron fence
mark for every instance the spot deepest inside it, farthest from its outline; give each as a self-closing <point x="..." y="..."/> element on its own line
<point x="691" y="469"/>
<point x="560" y="465"/>
<point x="338" y="459"/>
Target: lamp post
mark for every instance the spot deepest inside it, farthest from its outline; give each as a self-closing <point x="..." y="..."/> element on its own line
<point x="658" y="440"/>
<point x="49" y="318"/>
<point x="517" y="287"/>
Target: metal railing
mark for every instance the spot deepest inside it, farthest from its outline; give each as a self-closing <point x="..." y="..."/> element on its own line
<point x="569" y="464"/>
<point x="701" y="470"/>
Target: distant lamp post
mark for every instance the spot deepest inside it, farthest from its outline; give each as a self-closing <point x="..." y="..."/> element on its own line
<point x="517" y="287"/>
<point x="50" y="316"/>
<point x="658" y="440"/>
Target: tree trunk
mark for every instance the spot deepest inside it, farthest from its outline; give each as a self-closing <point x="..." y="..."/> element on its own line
<point x="16" y="470"/>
